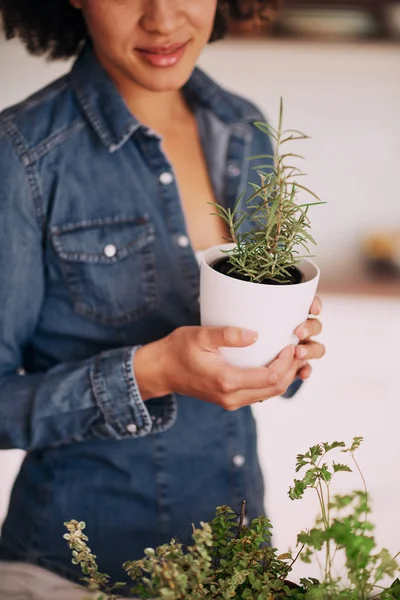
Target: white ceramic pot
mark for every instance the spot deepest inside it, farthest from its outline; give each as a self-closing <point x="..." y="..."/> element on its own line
<point x="274" y="311"/>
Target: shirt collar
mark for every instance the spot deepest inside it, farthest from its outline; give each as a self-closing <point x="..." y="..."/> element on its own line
<point x="110" y="117"/>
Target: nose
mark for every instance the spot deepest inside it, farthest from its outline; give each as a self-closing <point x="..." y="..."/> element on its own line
<point x="161" y="16"/>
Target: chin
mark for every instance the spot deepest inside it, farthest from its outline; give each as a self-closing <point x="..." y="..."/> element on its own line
<point x="163" y="81"/>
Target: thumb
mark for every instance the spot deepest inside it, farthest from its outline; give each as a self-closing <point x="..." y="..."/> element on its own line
<point x="229" y="337"/>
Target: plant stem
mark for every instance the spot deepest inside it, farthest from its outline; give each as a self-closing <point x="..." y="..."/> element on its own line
<point x="325" y="519"/>
<point x="365" y="487"/>
<point x="379" y="587"/>
<point x="297" y="556"/>
<point x="328" y="550"/>
<point x="241" y="518"/>
<point x="319" y="565"/>
<point x="322" y="504"/>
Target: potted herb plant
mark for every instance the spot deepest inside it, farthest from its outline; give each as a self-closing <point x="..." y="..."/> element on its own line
<point x="264" y="279"/>
<point x="231" y="560"/>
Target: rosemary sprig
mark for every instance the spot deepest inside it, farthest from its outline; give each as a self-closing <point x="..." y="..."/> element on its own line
<point x="280" y="224"/>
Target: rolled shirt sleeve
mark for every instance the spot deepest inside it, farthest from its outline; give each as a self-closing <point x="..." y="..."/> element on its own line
<point x="76" y="401"/>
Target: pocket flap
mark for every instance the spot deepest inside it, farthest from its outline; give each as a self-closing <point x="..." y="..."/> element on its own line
<point x="103" y="240"/>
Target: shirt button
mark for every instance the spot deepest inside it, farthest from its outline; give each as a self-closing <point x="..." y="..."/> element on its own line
<point x="233" y="170"/>
<point x="183" y="241"/>
<point x="110" y="250"/>
<point x="166" y="178"/>
<point x="132" y="428"/>
<point x="151" y="133"/>
<point x="239" y="460"/>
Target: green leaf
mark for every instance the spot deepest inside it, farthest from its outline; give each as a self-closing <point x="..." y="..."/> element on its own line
<point x="337" y="467"/>
<point x="261" y="156"/>
<point x="305" y="189"/>
<point x="357" y="441"/>
<point x="394" y="590"/>
<point x="118" y="585"/>
<point x="297" y="492"/>
<point x="324" y="473"/>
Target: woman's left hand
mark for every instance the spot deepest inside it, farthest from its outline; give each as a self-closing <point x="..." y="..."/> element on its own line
<point x="309" y="349"/>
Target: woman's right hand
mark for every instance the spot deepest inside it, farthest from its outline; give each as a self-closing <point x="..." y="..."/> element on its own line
<point x="188" y="362"/>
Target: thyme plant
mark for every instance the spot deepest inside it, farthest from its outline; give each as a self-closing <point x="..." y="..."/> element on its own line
<point x="280" y="227"/>
<point x="230" y="560"/>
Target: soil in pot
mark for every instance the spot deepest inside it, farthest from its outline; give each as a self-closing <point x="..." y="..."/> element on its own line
<point x="223" y="266"/>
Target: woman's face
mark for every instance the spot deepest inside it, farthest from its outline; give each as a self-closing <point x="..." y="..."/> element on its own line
<point x="153" y="43"/>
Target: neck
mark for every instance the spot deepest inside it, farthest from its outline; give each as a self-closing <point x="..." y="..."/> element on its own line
<point x="156" y="110"/>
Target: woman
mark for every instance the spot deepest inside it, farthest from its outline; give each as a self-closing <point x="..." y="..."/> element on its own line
<point x="127" y="411"/>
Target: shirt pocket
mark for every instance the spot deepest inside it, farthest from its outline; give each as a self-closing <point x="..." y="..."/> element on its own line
<point x="109" y="267"/>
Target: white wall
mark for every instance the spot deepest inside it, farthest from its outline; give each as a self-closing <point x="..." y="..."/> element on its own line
<point x="21" y="74"/>
<point x="347" y="97"/>
<point x="354" y="391"/>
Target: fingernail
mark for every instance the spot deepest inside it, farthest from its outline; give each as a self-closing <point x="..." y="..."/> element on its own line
<point x="304" y="334"/>
<point x="249" y="336"/>
<point x="302" y="352"/>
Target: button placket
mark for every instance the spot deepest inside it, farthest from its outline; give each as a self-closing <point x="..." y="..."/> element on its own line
<point x="173" y="215"/>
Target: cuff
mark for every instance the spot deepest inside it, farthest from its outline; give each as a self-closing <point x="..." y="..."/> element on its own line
<point x="125" y="413"/>
<point x="293" y="388"/>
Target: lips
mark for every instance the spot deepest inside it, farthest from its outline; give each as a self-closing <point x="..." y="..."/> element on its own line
<point x="161" y="49"/>
<point x="163" y="56"/>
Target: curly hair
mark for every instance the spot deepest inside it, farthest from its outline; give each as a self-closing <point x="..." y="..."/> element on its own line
<point x="54" y="28"/>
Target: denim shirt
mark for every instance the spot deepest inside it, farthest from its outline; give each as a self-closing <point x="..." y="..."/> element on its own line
<point x="95" y="260"/>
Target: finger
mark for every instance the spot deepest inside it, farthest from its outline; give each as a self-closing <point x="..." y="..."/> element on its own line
<point x="309" y="329"/>
<point x="251" y="396"/>
<point x="316" y="306"/>
<point x="248" y="378"/>
<point x="310" y="350"/>
<point x="247" y="397"/>
<point x="212" y="338"/>
<point x="284" y="363"/>
<point x="233" y="379"/>
<point x="284" y="368"/>
<point x="305" y="372"/>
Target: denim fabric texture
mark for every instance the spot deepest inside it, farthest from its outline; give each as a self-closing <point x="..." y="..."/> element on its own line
<point x="91" y="268"/>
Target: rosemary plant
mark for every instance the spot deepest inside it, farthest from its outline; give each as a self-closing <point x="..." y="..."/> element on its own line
<point x="280" y="225"/>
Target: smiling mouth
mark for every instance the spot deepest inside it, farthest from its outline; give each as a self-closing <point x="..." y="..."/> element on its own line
<point x="162" y="50"/>
<point x="163" y="56"/>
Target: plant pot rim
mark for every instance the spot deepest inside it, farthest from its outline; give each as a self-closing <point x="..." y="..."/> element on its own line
<point x="229" y="246"/>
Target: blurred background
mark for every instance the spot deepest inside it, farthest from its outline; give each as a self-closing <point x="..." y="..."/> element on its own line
<point x="337" y="66"/>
